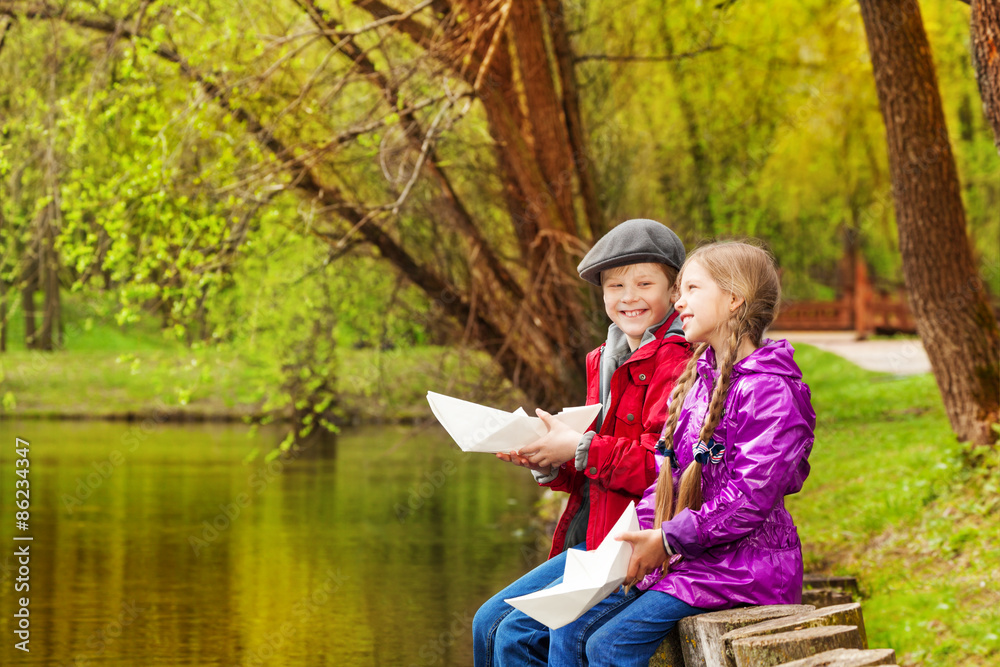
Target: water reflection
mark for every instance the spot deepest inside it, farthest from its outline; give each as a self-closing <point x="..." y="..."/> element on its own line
<point x="372" y="549"/>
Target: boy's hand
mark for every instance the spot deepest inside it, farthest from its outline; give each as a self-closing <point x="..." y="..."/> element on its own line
<point x="512" y="457"/>
<point x="555" y="447"/>
<point x="647" y="553"/>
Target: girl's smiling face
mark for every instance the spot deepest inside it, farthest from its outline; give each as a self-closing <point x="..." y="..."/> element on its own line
<point x="703" y="307"/>
<point x="636" y="297"/>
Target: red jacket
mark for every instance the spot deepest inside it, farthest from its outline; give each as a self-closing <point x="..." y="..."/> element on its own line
<point x="620" y="464"/>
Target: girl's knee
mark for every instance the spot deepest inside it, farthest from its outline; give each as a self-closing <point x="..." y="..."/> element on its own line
<point x="600" y="649"/>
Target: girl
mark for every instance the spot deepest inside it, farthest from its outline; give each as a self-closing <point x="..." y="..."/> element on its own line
<point x="740" y="427"/>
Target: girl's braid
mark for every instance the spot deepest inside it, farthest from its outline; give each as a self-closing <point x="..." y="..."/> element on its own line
<point x="690" y="495"/>
<point x="665" y="481"/>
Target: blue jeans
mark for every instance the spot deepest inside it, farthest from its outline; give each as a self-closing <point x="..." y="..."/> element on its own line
<point x="502" y="635"/>
<point x="620" y="630"/>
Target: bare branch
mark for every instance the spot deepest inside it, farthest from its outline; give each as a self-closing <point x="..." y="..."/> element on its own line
<point x="424" y="150"/>
<point x="414" y="133"/>
<point x="3" y="32"/>
<point x="418" y="32"/>
<point x="485" y="66"/>
<point x="608" y="57"/>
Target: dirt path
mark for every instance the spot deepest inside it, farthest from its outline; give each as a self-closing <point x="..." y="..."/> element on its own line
<point x="904" y="356"/>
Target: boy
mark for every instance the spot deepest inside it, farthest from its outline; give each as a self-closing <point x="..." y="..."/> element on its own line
<point x="631" y="375"/>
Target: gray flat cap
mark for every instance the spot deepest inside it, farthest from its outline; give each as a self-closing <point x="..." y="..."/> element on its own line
<point x="632" y="242"/>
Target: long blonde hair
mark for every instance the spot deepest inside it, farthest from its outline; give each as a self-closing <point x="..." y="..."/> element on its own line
<point x="747" y="271"/>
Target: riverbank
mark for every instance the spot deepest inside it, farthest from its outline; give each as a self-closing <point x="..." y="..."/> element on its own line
<point x="213" y="384"/>
<point x="137" y="371"/>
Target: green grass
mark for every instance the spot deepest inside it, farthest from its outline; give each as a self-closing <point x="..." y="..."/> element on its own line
<point x="892" y="501"/>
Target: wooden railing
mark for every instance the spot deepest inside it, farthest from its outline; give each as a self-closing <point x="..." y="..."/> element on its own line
<point x="861" y="308"/>
<point x="879" y="313"/>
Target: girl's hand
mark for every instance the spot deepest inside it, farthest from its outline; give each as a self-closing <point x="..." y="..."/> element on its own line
<point x="647" y="554"/>
<point x="555" y="447"/>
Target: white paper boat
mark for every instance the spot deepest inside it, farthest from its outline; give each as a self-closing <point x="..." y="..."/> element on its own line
<point x="477" y="428"/>
<point x="589" y="577"/>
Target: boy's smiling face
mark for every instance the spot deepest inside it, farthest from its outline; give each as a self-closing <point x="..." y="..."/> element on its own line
<point x="636" y="297"/>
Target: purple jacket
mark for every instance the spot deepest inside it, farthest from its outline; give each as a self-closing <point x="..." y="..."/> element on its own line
<point x="741" y="547"/>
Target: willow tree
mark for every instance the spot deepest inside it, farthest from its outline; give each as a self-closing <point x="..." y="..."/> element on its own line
<point x="361" y="110"/>
<point x="946" y="293"/>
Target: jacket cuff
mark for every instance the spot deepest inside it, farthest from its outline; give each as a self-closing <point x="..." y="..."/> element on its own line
<point x="666" y="545"/>
<point x="681" y="533"/>
<point x="583" y="449"/>
<point x="543" y="477"/>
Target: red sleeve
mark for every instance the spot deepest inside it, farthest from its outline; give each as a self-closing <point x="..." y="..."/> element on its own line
<point x="628" y="465"/>
<point x="564" y="479"/>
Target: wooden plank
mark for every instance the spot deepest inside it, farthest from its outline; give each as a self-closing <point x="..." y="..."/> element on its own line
<point x="843" y="614"/>
<point x="701" y="635"/>
<point x="849" y="584"/>
<point x="847" y="657"/>
<point x="825" y="597"/>
<point x="783" y="647"/>
<point x="669" y="653"/>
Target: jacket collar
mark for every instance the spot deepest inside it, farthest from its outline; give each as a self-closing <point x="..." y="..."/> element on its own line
<point x="657" y="332"/>
<point x="773" y="357"/>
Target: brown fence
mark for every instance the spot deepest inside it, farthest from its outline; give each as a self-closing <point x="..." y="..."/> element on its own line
<point x="861" y="307"/>
<point x="876" y="313"/>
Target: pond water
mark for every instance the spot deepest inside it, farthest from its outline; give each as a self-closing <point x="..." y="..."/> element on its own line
<point x="173" y="545"/>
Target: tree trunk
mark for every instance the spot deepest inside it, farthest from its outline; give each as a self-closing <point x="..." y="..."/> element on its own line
<point x="986" y="56"/>
<point x="529" y="122"/>
<point x="699" y="206"/>
<point x="549" y="137"/>
<point x="3" y="315"/>
<point x="29" y="283"/>
<point x="563" y="51"/>
<point x="48" y="277"/>
<point x="946" y="292"/>
<point x="48" y="219"/>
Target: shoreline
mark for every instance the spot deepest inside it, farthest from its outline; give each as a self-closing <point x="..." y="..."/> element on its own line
<point x="200" y="417"/>
<point x="211" y="385"/>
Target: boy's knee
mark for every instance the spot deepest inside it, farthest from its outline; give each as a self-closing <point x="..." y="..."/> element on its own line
<point x="488" y="618"/>
<point x="481" y="620"/>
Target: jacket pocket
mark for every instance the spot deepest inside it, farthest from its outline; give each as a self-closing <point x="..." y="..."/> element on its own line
<point x="771" y="536"/>
<point x="641" y="373"/>
<point x="628" y="416"/>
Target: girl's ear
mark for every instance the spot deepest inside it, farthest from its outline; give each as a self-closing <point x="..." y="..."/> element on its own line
<point x="735" y="302"/>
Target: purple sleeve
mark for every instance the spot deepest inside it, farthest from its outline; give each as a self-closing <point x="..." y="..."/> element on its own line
<point x="773" y="437"/>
